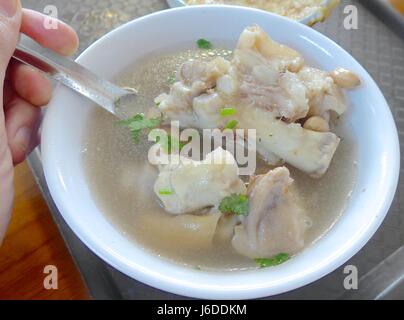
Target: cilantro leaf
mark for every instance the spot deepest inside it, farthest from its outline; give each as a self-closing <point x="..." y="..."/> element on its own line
<point x="138" y="123"/>
<point x="273" y="261"/>
<point x="204" y="44"/>
<point x="235" y="204"/>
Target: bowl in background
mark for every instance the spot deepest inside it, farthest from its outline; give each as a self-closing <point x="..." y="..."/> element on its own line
<point x="313" y="18"/>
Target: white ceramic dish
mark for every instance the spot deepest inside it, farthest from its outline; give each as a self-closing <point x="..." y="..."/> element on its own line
<point x="309" y="20"/>
<point x="374" y="132"/>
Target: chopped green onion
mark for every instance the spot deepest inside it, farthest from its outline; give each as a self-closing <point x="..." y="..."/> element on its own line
<point x="172" y="79"/>
<point x="231" y="124"/>
<point x="166" y="192"/>
<point x="225" y="112"/>
<point x="204" y="44"/>
<point x="273" y="261"/>
<point x="170" y="144"/>
<point x="235" y="204"/>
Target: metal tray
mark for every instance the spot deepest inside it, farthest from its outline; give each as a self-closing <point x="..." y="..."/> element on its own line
<point x="380" y="263"/>
<point x="387" y="13"/>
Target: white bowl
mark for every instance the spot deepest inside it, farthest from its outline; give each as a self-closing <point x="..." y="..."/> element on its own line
<point x="309" y="20"/>
<point x="373" y="127"/>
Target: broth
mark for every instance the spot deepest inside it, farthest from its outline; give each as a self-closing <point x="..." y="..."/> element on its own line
<point x="121" y="178"/>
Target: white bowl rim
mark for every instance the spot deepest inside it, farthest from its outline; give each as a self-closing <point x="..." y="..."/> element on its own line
<point x="198" y="290"/>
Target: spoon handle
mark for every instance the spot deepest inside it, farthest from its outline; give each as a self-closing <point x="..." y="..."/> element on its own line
<point x="72" y="75"/>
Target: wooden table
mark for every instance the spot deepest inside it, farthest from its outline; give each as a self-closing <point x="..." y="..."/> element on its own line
<point x="399" y="5"/>
<point x="33" y="242"/>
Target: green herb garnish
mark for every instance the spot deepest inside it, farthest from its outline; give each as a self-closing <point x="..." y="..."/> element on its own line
<point x="226" y="112"/>
<point x="165" y="192"/>
<point x="231" y="124"/>
<point x="117" y="103"/>
<point x="204" y="44"/>
<point x="235" y="204"/>
<point x="138" y="123"/>
<point x="172" y="79"/>
<point x="274" y="261"/>
<point x="170" y="144"/>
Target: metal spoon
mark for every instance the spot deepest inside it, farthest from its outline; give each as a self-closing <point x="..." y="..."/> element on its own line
<point x="104" y="93"/>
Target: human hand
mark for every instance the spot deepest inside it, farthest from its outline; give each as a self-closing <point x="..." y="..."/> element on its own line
<point x="24" y="91"/>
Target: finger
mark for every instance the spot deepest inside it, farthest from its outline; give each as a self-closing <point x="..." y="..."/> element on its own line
<point x="9" y="26"/>
<point x="30" y="84"/>
<point x="22" y="121"/>
<point x="63" y="39"/>
<point x="10" y="19"/>
<point x="8" y="92"/>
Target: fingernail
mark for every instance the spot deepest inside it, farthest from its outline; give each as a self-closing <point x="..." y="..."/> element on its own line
<point x="22" y="138"/>
<point x="8" y="7"/>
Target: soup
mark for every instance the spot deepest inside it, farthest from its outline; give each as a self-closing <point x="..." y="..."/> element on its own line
<point x="123" y="182"/>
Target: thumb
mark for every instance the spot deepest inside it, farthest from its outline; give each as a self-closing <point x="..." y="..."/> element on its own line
<point x="10" y="20"/>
